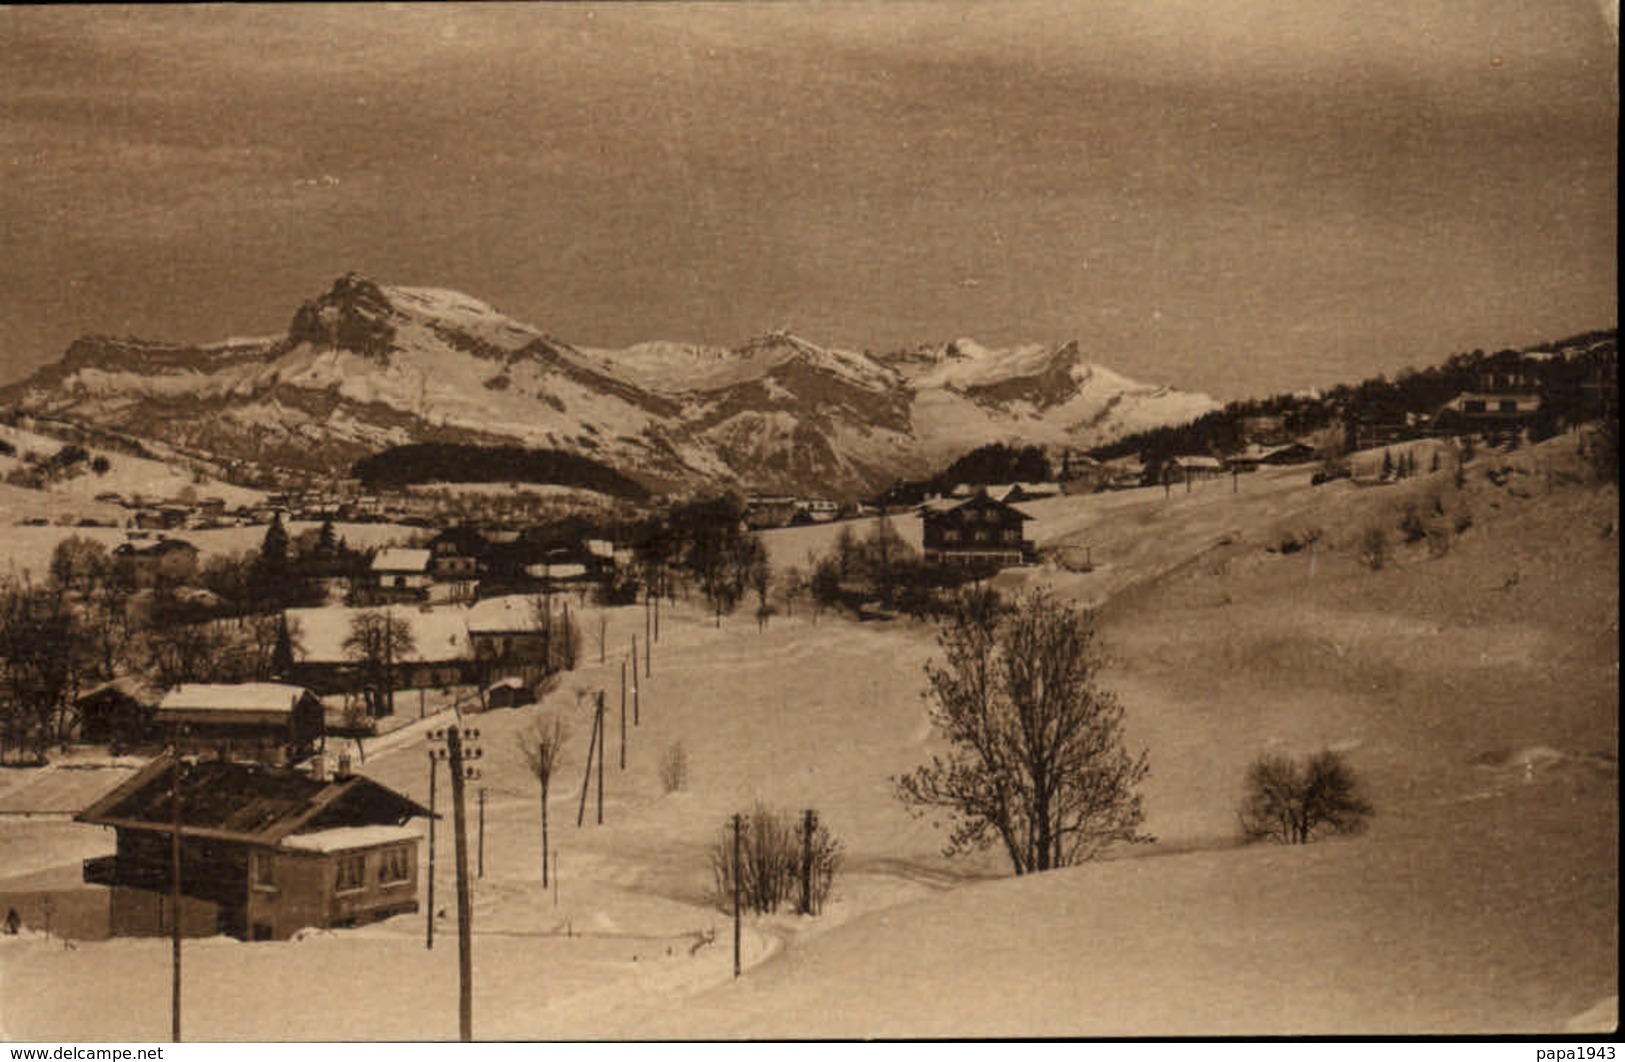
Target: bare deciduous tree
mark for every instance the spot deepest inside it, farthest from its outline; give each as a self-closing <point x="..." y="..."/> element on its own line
<point x="378" y="639"/>
<point x="1037" y="759"/>
<point x="674" y="768"/>
<point x="43" y="657"/>
<point x="1289" y="802"/>
<point x="540" y="744"/>
<point x="778" y="862"/>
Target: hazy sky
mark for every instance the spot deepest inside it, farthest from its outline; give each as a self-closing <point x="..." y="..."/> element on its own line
<point x="1237" y="196"/>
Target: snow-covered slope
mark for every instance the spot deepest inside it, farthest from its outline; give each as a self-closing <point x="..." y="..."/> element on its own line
<point x="366" y="366"/>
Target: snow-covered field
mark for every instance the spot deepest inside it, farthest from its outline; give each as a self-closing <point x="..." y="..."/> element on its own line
<point x="130" y="476"/>
<point x="1474" y="689"/>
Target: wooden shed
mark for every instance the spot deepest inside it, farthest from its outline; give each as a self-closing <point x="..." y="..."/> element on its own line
<point x="267" y="722"/>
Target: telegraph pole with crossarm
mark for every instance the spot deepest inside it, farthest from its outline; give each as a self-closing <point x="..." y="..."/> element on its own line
<point x="457" y="753"/>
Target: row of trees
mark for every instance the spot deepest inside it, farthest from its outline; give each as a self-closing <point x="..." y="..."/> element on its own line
<point x="1563" y="372"/>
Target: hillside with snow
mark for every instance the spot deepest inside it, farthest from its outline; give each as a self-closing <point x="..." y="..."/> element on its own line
<point x="1471" y="681"/>
<point x="366" y="366"/>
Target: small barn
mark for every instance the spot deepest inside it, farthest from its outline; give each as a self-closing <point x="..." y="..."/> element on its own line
<point x="119" y="713"/>
<point x="265" y="851"/>
<point x="512" y="692"/>
<point x="266" y="722"/>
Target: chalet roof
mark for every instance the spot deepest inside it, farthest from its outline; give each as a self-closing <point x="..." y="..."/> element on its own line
<point x="153" y="547"/>
<point x="401" y="560"/>
<point x="940" y="506"/>
<point x="461" y="537"/>
<point x="1198" y="461"/>
<point x="498" y="615"/>
<point x="247" y="802"/>
<point x="195" y="698"/>
<point x="342" y="838"/>
<point x="558" y="571"/>
<point x="438" y="634"/>
<point x="135" y="687"/>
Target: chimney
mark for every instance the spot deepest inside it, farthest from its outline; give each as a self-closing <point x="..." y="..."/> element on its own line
<point x="342" y="771"/>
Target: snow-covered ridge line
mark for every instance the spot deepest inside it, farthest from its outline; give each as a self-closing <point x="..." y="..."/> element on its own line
<point x="366" y="364"/>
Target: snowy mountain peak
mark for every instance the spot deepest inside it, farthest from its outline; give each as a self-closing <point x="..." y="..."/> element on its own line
<point x="353" y="315"/>
<point x="366" y="365"/>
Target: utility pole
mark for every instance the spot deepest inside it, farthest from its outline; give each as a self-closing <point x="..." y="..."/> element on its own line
<point x="389" y="660"/>
<point x="648" y="642"/>
<point x="635" y="711"/>
<point x="603" y="740"/>
<point x="429" y="929"/>
<point x="175" y="885"/>
<point x="737" y="824"/>
<point x="809" y="823"/>
<point x="586" y="779"/>
<point x="456" y="754"/>
<point x="623" y="714"/>
<point x="480" y="861"/>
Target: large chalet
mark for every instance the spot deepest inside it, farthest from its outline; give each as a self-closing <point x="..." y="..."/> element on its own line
<point x="265" y="851"/>
<point x="977" y="531"/>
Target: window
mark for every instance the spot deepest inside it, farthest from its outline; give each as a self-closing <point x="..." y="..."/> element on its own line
<point x="263" y="867"/>
<point x="1509" y="405"/>
<point x="394" y="866"/>
<point x="1012" y="534"/>
<point x="1474" y="405"/>
<point x="352" y="873"/>
<point x="950" y="535"/>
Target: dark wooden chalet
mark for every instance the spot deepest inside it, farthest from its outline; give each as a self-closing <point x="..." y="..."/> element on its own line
<point x="152" y="559"/>
<point x="265" y="851"/>
<point x="120" y="713"/>
<point x="267" y="722"/>
<point x="454" y="556"/>
<point x="975" y="531"/>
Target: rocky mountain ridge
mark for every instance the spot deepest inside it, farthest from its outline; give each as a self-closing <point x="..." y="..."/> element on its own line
<point x="365" y="366"/>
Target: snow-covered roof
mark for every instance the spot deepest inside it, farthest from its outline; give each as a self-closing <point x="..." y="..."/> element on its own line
<point x="437" y="634"/>
<point x="600" y="547"/>
<point x="556" y="571"/>
<point x="509" y="683"/>
<point x="1198" y="461"/>
<point x="136" y="687"/>
<point x="342" y="838"/>
<point x="401" y="560"/>
<point x="514" y="612"/>
<point x="233" y="697"/>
